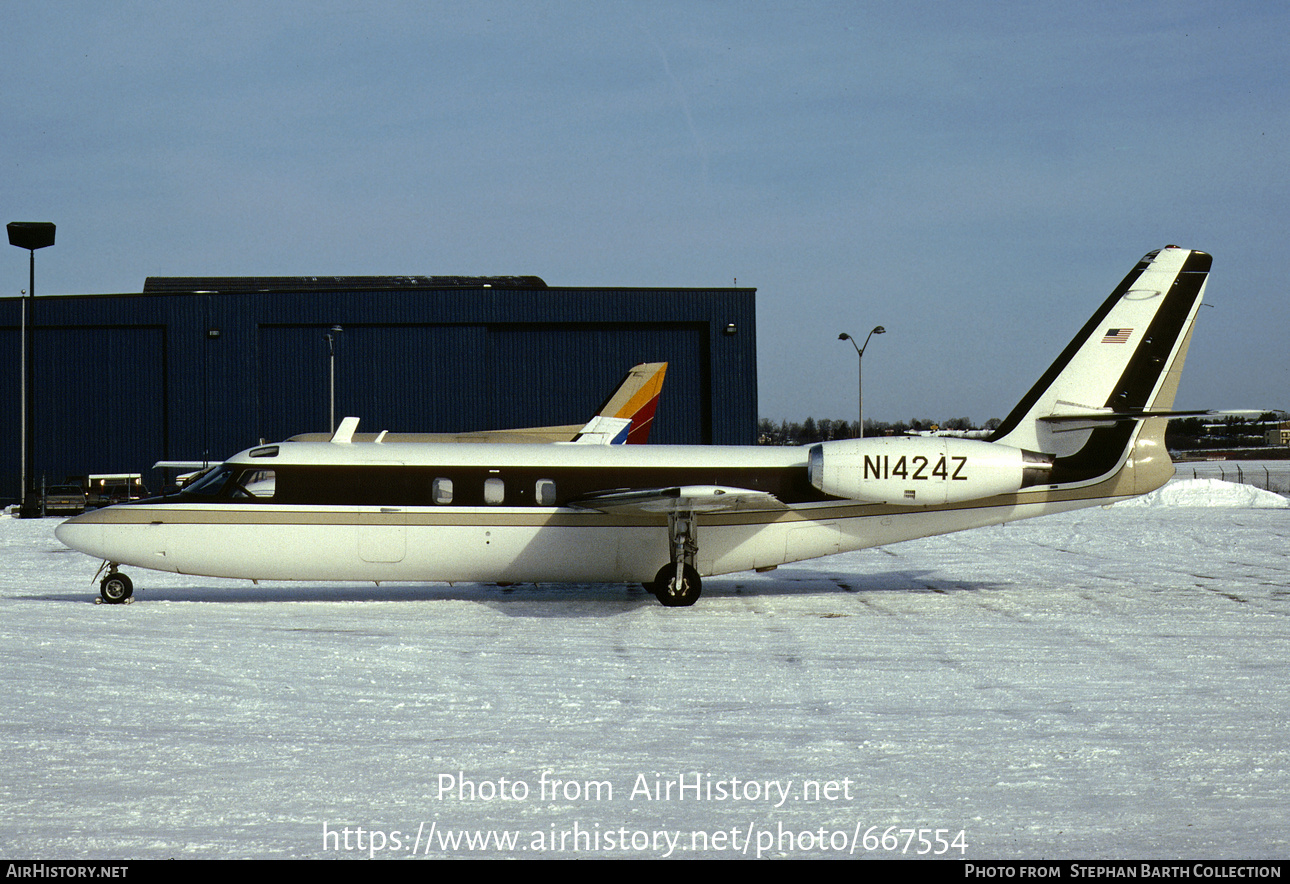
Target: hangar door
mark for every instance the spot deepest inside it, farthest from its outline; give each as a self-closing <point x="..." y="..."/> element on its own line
<point x="404" y="378"/>
<point x="101" y="395"/>
<point x="561" y="374"/>
<point x="459" y="378"/>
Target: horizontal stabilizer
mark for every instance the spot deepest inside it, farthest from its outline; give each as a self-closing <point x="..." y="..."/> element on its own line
<point x="601" y="430"/>
<point x="1085" y="420"/>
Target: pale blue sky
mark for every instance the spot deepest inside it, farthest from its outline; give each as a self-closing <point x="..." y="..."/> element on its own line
<point x="976" y="177"/>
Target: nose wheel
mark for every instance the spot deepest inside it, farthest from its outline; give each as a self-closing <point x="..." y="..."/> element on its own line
<point x="115" y="588"/>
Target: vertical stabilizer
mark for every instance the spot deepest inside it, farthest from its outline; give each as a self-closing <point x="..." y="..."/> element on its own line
<point x="1115" y="382"/>
<point x="628" y="414"/>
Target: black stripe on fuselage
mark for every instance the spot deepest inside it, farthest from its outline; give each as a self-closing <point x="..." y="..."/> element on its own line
<point x="412" y="485"/>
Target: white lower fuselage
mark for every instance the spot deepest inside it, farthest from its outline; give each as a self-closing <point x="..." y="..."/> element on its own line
<point x="564" y="545"/>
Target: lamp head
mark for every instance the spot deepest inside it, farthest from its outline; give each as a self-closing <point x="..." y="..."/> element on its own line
<point x="30" y="234"/>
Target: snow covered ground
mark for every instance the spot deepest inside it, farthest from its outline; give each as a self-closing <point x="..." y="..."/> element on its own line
<point x="1111" y="683"/>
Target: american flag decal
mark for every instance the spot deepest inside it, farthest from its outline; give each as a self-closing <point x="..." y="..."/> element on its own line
<point x="1116" y="335"/>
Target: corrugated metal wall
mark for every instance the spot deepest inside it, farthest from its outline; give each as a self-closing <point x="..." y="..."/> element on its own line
<point x="126" y="380"/>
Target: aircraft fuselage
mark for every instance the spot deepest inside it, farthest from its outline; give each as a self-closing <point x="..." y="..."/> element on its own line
<point x="513" y="513"/>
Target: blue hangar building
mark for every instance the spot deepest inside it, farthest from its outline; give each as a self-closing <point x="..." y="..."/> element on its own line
<point x="198" y="369"/>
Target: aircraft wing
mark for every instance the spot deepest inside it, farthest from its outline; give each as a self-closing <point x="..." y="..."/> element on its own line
<point x="679" y="498"/>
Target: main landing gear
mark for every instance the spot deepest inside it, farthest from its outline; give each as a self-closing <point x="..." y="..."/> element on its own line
<point x="115" y="588"/>
<point x="677" y="584"/>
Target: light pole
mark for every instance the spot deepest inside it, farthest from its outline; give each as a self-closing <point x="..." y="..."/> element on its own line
<point x="331" y="369"/>
<point x="877" y="330"/>
<point x="30" y="235"/>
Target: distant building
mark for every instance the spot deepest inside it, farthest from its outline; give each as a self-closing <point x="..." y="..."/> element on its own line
<point x="1279" y="435"/>
<point x="200" y="368"/>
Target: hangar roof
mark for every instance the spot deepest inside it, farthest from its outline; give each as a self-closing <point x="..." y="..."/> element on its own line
<point x="176" y="284"/>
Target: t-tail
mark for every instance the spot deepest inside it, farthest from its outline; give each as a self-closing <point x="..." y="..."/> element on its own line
<point x="1091" y="429"/>
<point x="1099" y="412"/>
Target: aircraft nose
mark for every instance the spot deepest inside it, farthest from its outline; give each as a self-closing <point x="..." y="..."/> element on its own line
<point x="80" y="535"/>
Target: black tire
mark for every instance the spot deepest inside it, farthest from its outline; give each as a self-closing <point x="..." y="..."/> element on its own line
<point x="664" y="587"/>
<point x="116" y="589"/>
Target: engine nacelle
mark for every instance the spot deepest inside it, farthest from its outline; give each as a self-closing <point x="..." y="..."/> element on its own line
<point x="923" y="470"/>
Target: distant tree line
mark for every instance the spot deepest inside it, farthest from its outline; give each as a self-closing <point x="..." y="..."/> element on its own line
<point x="1198" y="433"/>
<point x="1181" y="435"/>
<point x="810" y="431"/>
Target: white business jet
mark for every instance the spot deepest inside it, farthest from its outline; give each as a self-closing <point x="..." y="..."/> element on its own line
<point x="1090" y="431"/>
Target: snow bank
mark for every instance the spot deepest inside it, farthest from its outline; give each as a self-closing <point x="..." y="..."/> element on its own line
<point x="1209" y="492"/>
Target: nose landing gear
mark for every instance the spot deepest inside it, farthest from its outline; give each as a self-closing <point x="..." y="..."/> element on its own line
<point x="115" y="588"/>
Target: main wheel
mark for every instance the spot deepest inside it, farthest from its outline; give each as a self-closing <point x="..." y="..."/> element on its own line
<point x="116" y="588"/>
<point x="668" y="593"/>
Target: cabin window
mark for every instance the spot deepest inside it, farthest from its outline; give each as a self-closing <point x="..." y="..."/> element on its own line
<point x="441" y="491"/>
<point x="494" y="491"/>
<point x="544" y="492"/>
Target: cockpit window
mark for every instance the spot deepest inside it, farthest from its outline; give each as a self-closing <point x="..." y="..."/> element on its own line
<point x="236" y="483"/>
<point x="211" y="483"/>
